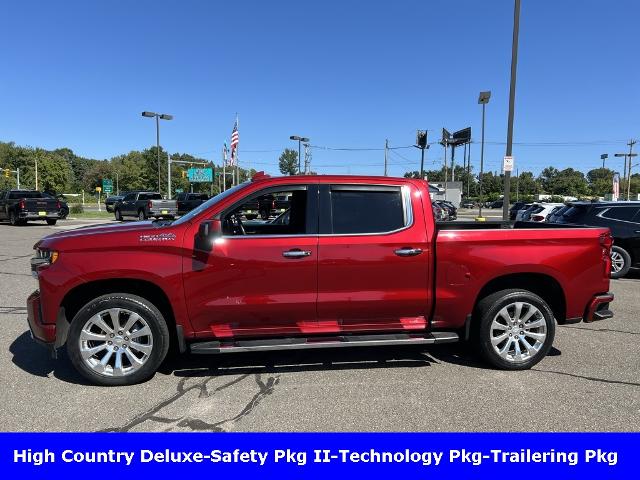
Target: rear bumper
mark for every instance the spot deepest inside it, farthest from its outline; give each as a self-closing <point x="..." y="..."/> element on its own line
<point x="598" y="308"/>
<point x="160" y="212"/>
<point x="41" y="332"/>
<point x="36" y="216"/>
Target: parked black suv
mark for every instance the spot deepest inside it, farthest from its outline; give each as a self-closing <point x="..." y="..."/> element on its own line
<point x="622" y="218"/>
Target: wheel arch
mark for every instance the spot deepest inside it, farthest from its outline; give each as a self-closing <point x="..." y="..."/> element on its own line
<point x="543" y="285"/>
<point x="80" y="295"/>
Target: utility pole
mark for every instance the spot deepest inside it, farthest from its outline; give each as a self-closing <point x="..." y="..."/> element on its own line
<point x="517" y="184"/>
<point x="631" y="143"/>
<point x="307" y="158"/>
<point x="36" y="171"/>
<point x="168" y="176"/>
<point x="512" y="98"/>
<point x="386" y="155"/>
<point x="468" y="170"/>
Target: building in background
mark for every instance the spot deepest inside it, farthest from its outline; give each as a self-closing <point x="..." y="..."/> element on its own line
<point x="453" y="192"/>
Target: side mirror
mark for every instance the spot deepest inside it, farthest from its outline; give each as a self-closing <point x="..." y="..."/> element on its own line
<point x="210" y="229"/>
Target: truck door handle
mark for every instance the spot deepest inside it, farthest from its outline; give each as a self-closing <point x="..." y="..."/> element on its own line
<point x="408" y="252"/>
<point x="296" y="253"/>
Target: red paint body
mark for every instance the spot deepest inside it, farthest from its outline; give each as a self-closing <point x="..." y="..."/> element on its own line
<point x="244" y="286"/>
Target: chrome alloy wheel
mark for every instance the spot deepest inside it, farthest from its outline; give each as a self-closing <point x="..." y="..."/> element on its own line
<point x="518" y="332"/>
<point x="617" y="261"/>
<point x="115" y="342"/>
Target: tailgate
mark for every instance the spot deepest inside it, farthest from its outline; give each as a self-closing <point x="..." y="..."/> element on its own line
<point x="37" y="205"/>
<point x="164" y="204"/>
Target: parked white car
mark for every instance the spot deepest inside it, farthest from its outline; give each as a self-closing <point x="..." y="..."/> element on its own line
<point x="540" y="215"/>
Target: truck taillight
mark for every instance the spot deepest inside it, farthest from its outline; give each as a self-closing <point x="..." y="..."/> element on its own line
<point x="149" y="203"/>
<point x="58" y="206"/>
<point x="22" y="205"/>
<point x="606" y="242"/>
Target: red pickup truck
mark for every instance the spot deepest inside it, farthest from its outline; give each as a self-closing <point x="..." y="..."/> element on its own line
<point x="356" y="261"/>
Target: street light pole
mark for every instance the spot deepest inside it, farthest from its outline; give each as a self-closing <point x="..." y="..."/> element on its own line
<point x="512" y="99"/>
<point x="300" y="140"/>
<point x="158" y="117"/>
<point x="603" y="157"/>
<point x="483" y="99"/>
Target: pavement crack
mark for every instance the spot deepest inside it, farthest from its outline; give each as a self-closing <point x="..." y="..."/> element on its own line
<point x="584" y="377"/>
<point x="152" y="413"/>
<point x="611" y="330"/>
<point x="264" y="389"/>
<point x="16" y="274"/>
<point x="15" y="258"/>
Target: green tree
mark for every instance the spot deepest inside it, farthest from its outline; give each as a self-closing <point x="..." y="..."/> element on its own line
<point x="288" y="162"/>
<point x="600" y="181"/>
<point x="526" y="184"/>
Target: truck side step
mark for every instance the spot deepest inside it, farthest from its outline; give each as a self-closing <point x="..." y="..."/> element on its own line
<point x="302" y="343"/>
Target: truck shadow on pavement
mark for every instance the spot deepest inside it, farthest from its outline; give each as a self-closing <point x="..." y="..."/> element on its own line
<point x="33" y="359"/>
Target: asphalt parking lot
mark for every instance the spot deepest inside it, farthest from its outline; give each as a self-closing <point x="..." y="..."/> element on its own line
<point x="590" y="381"/>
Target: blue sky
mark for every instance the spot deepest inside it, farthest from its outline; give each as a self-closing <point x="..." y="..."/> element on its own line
<point x="344" y="73"/>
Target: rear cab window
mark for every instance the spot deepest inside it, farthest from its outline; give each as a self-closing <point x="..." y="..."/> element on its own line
<point x="364" y="209"/>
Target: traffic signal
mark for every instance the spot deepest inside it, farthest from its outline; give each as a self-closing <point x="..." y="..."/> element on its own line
<point x="421" y="139"/>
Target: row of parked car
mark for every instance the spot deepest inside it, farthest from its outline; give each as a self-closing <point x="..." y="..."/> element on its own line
<point x="444" y="210"/>
<point x="622" y="219"/>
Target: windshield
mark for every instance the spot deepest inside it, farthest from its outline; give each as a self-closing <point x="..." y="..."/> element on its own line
<point x="206" y="205"/>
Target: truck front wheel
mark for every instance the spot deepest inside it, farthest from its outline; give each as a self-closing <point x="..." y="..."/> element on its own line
<point x="118" y="339"/>
<point x="516" y="329"/>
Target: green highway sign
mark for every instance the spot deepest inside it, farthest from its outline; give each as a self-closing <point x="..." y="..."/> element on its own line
<point x="179" y="190"/>
<point x="107" y="185"/>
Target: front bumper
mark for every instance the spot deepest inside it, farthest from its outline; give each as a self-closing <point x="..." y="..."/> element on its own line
<point x="598" y="308"/>
<point x="42" y="332"/>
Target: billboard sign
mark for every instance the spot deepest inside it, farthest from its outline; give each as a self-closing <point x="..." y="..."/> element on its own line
<point x="199" y="175"/>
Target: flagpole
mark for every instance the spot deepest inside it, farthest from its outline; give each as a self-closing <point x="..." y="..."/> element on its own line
<point x="237" y="149"/>
<point x="224" y="167"/>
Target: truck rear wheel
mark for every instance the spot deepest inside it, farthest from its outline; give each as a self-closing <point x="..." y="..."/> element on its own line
<point x="118" y="339"/>
<point x="516" y="329"/>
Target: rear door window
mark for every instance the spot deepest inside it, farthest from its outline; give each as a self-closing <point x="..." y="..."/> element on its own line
<point x="362" y="210"/>
<point x="573" y="213"/>
<point x="626" y="214"/>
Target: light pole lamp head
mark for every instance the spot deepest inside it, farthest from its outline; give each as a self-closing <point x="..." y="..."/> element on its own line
<point x="304" y="139"/>
<point x="484" y="97"/>
<point x="166" y="116"/>
<point x="620" y="154"/>
<point x="604" y="156"/>
<point x="295" y="137"/>
<point x="149" y="114"/>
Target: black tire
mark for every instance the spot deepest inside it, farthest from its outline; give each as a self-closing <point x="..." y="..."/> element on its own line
<point x="118" y="215"/>
<point x="133" y="303"/>
<point x="489" y="307"/>
<point x="625" y="257"/>
<point x="142" y="215"/>
<point x="264" y="215"/>
<point x="52" y="221"/>
<point x="13" y="219"/>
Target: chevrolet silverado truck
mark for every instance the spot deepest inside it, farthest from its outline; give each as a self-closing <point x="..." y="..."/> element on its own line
<point x="144" y="205"/>
<point x="329" y="275"/>
<point x="21" y="206"/>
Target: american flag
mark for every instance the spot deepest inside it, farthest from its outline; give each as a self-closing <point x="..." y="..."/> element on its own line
<point x="235" y="139"/>
<point x="616" y="186"/>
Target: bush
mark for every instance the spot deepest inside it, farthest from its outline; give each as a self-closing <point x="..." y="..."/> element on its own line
<point x="76" y="208"/>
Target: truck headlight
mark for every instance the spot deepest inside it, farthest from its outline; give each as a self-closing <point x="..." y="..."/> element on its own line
<point x="43" y="258"/>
